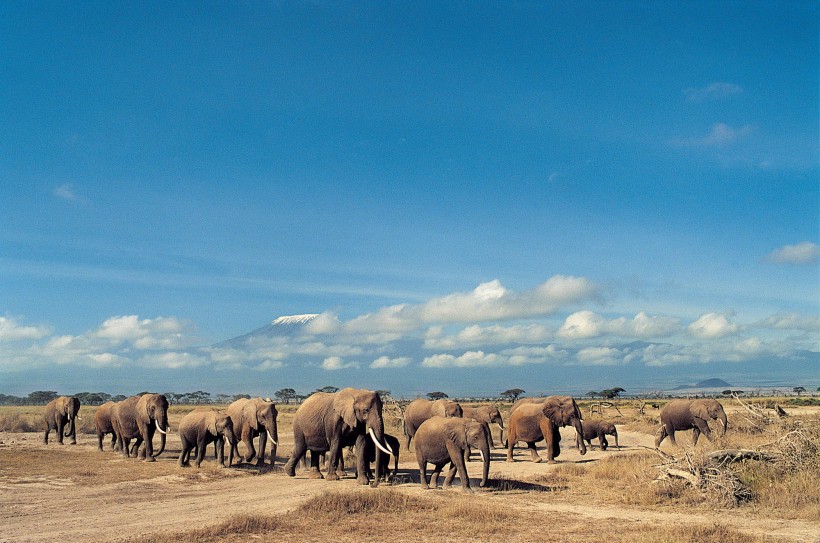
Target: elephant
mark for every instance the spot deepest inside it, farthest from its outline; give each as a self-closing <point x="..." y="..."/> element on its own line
<point x="440" y="440"/>
<point x="59" y="412"/>
<point x="485" y="414"/>
<point x="251" y="418"/>
<point x="203" y="426"/>
<point x="599" y="428"/>
<point x="138" y="417"/>
<point x="690" y="414"/>
<point x="532" y="422"/>
<point x="383" y="468"/>
<point x="104" y="425"/>
<point x="327" y="422"/>
<point x="420" y="410"/>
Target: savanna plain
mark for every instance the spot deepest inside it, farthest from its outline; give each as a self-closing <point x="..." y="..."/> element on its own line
<point x="633" y="494"/>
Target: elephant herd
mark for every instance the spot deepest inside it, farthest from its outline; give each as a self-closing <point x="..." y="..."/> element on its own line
<point x="443" y="431"/>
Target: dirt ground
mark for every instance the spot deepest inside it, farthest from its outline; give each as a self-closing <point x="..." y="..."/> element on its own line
<point x="56" y="492"/>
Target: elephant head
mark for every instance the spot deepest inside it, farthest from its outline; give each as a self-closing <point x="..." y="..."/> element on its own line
<point x="610" y="429"/>
<point x="475" y="436"/>
<point x="363" y="408"/>
<point x="563" y="411"/>
<point x="223" y="426"/>
<point x="453" y="409"/>
<point x="706" y="409"/>
<point x="266" y="414"/>
<point x="70" y="408"/>
<point x="156" y="411"/>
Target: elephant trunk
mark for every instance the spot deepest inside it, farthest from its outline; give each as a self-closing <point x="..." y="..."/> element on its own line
<point x="485" y="457"/>
<point x="615" y="433"/>
<point x="722" y="419"/>
<point x="71" y="428"/>
<point x="162" y="436"/>
<point x="579" y="429"/>
<point x="376" y="432"/>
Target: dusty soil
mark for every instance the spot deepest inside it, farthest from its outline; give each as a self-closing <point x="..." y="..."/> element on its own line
<point x="45" y="496"/>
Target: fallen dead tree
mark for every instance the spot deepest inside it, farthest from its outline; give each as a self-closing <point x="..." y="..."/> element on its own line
<point x="712" y="472"/>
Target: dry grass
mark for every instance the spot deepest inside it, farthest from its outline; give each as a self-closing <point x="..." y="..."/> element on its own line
<point x="391" y="515"/>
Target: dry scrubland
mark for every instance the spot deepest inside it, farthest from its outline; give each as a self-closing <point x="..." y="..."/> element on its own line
<point x="79" y="494"/>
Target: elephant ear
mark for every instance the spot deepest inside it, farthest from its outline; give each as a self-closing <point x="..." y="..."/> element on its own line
<point x="699" y="410"/>
<point x="455" y="435"/>
<point x="343" y="406"/>
<point x="552" y="410"/>
<point x="212" y="425"/>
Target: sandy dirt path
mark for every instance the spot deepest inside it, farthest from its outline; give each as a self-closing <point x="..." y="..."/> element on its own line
<point x="41" y="509"/>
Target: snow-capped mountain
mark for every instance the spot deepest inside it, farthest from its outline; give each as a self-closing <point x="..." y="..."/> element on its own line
<point x="281" y="326"/>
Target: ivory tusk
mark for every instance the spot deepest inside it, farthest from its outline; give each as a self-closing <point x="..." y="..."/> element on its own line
<point x="271" y="438"/>
<point x="161" y="431"/>
<point x="482" y="455"/>
<point x="379" y="445"/>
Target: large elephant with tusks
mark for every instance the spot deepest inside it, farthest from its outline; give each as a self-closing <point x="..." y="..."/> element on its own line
<point x="327" y="422"/>
<point x="138" y="417"/>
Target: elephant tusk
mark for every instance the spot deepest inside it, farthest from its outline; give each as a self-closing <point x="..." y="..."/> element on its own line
<point x="482" y="455"/>
<point x="271" y="438"/>
<point x="379" y="445"/>
<point x="499" y="425"/>
<point x="161" y="431"/>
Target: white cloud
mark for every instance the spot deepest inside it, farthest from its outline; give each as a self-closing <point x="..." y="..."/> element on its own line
<point x="11" y="331"/>
<point x="792" y="321"/>
<point x="804" y="252"/>
<point x="720" y="135"/>
<point x="470" y="359"/>
<point x="599" y="356"/>
<point x="66" y="192"/>
<point x="712" y="326"/>
<point x="489" y="301"/>
<point x="587" y="324"/>
<point x="713" y="91"/>
<point x="476" y="336"/>
<point x="171" y="360"/>
<point x="159" y="333"/>
<point x="386" y="362"/>
<point x="333" y="363"/>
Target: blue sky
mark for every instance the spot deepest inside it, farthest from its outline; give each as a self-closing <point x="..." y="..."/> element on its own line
<point x="473" y="196"/>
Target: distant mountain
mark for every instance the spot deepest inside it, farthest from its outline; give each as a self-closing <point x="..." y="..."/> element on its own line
<point x="281" y="326"/>
<point x="709" y="383"/>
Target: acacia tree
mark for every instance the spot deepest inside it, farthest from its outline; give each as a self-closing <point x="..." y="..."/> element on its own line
<point x="286" y="395"/>
<point x="512" y="394"/>
<point x="799" y="390"/>
<point x="437" y="395"/>
<point x="612" y="393"/>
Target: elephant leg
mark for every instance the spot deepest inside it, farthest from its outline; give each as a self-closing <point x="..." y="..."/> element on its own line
<point x="299" y="450"/>
<point x="534" y="453"/>
<point x="422" y="469"/>
<point x="45" y="436"/>
<point x="185" y="448"/>
<point x="263" y="442"/>
<point x="200" y="451"/>
<point x="603" y="442"/>
<point x="448" y="479"/>
<point x="333" y="457"/>
<point x="702" y="427"/>
<point x="247" y="439"/>
<point x="511" y="439"/>
<point x="671" y="433"/>
<point x="434" y="475"/>
<point x="457" y="459"/>
<point x="60" y="430"/>
<point x="315" y="460"/>
<point x="363" y="472"/>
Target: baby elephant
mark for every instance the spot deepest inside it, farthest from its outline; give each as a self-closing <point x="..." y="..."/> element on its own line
<point x="440" y="440"/>
<point x="598" y="428"/>
<point x="384" y="467"/>
<point x="199" y="428"/>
